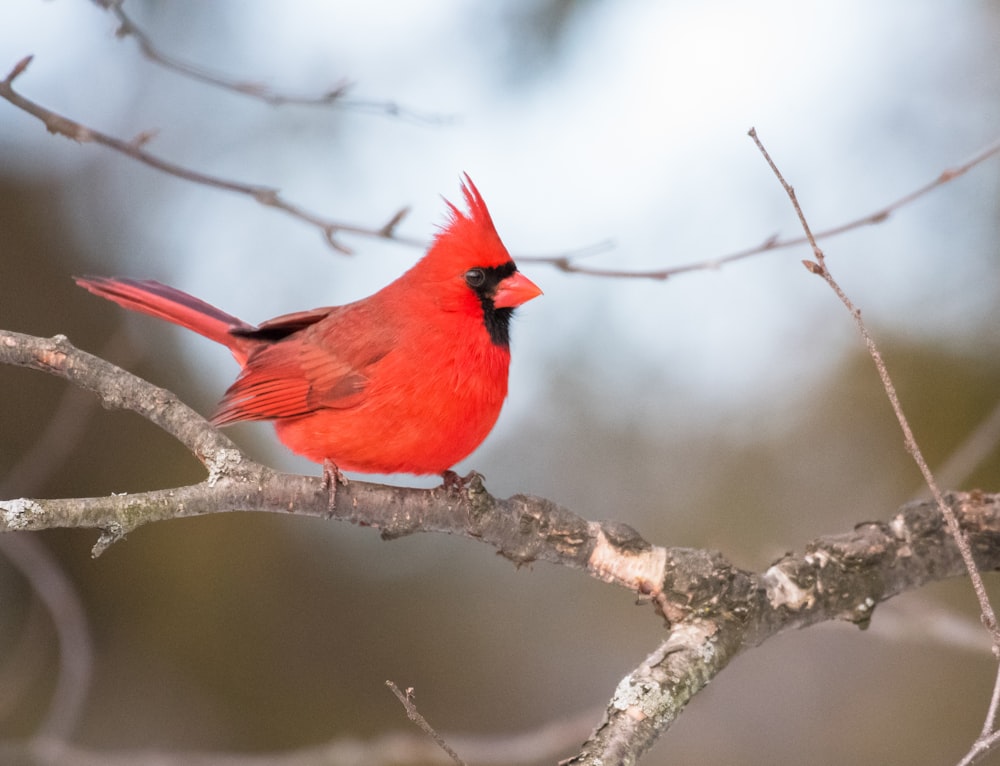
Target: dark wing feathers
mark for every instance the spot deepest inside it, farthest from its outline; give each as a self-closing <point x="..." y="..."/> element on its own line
<point x="285" y="325"/>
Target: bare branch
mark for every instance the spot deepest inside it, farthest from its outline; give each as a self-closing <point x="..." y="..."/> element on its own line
<point x="333" y="96"/>
<point x="568" y="263"/>
<point x="406" y="699"/>
<point x="984" y="744"/>
<point x="728" y="610"/>
<point x="264" y="195"/>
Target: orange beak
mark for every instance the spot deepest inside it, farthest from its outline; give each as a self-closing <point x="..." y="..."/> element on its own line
<point x="515" y="290"/>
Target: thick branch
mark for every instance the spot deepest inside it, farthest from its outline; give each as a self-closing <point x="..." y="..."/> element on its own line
<point x="724" y="610"/>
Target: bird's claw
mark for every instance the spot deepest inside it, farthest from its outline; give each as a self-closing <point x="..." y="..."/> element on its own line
<point x="452" y="482"/>
<point x="332" y="476"/>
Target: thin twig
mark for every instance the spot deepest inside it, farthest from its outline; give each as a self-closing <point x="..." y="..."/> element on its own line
<point x="820" y="268"/>
<point x="980" y="748"/>
<point x="334" y="96"/>
<point x="569" y="265"/>
<point x="265" y="195"/>
<point x="989" y="725"/>
<point x="406" y="698"/>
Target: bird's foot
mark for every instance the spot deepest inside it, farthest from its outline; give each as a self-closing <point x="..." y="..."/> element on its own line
<point x="331" y="478"/>
<point x="452" y="482"/>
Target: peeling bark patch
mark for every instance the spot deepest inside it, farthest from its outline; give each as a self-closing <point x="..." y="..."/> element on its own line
<point x="221" y="463"/>
<point x="783" y="591"/>
<point x="638" y="700"/>
<point x="641" y="569"/>
<point x="17" y="514"/>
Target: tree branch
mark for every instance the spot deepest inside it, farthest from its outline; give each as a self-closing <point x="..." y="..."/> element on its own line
<point x="569" y="265"/>
<point x="334" y="96"/>
<point x="567" y="262"/>
<point x="265" y="195"/>
<point x="730" y="610"/>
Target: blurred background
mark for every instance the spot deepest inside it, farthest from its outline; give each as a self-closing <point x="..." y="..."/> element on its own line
<point x="734" y="408"/>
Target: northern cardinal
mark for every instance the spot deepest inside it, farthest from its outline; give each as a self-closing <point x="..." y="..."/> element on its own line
<point x="408" y="380"/>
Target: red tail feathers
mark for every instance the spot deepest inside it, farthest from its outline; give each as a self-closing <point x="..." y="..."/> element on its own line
<point x="164" y="302"/>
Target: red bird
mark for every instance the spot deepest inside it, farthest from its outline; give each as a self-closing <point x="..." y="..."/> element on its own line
<point x="408" y="380"/>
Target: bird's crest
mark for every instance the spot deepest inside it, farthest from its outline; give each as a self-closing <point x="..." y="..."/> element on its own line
<point x="472" y="236"/>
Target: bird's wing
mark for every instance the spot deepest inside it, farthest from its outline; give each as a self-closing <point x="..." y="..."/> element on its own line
<point x="308" y="361"/>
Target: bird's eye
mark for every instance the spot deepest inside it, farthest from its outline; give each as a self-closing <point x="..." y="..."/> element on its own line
<point x="475" y="278"/>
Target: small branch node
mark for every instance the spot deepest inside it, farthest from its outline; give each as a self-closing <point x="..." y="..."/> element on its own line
<point x="329" y="234"/>
<point x="19" y="68"/>
<point x="389" y="230"/>
<point x="143" y="138"/>
<point x="814" y="268"/>
<point x="16" y="514"/>
<point x="221" y="463"/>
<point x="338" y="91"/>
<point x="266" y="196"/>
<point x="108" y="537"/>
